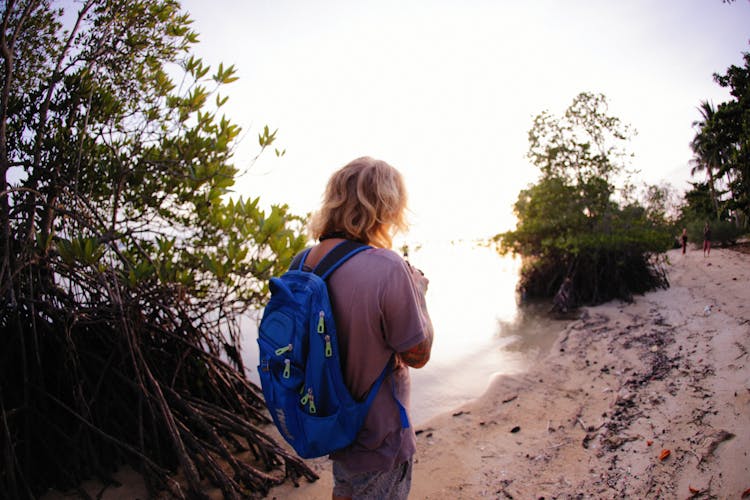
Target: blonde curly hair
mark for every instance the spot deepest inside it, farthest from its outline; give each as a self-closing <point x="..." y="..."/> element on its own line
<point x="366" y="201"/>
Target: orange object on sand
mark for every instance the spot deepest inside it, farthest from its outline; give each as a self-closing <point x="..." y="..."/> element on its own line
<point x="664" y="454"/>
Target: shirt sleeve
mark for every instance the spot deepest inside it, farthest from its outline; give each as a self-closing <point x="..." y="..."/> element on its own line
<point x="403" y="321"/>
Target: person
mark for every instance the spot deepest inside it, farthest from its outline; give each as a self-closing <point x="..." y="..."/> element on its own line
<point x="707" y="240"/>
<point x="684" y="239"/>
<point x="378" y="301"/>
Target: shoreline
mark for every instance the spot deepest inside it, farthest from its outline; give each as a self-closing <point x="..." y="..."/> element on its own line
<point x="649" y="399"/>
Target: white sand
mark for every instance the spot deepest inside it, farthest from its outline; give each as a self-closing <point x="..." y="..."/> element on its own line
<point x="622" y="384"/>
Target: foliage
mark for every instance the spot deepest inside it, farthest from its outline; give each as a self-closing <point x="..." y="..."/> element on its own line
<point x="662" y="205"/>
<point x="126" y="267"/>
<point x="709" y="153"/>
<point x="723" y="232"/>
<point x="698" y="203"/>
<point x="699" y="209"/>
<point x="585" y="145"/>
<point x="569" y="225"/>
<point x="721" y="146"/>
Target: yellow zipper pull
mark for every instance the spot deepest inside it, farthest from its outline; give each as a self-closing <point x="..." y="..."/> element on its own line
<point x="287" y="368"/>
<point x="329" y="347"/>
<point x="322" y="322"/>
<point x="312" y="402"/>
<point x="282" y="350"/>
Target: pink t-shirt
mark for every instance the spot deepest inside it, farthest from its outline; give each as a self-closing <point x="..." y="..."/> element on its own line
<point x="377" y="313"/>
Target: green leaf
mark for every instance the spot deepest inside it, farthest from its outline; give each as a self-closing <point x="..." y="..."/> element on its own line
<point x="267" y="137"/>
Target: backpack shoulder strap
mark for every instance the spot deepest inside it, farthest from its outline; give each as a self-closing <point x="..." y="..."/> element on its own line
<point x="299" y="259"/>
<point x="330" y="261"/>
<point x="337" y="256"/>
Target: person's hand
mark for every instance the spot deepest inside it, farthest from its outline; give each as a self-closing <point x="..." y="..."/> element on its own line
<point x="420" y="280"/>
<point x="418" y="356"/>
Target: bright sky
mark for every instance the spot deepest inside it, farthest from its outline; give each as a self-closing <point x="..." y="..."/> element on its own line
<point x="445" y="91"/>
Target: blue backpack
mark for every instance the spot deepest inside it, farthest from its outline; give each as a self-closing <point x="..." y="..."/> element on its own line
<point x="300" y="371"/>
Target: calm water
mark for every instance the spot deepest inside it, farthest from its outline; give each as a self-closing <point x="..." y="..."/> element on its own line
<point x="480" y="332"/>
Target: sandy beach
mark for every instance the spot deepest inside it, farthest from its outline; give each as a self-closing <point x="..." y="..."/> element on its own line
<point x="643" y="400"/>
<point x="649" y="399"/>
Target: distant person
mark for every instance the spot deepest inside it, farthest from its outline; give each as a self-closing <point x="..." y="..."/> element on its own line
<point x="684" y="239"/>
<point x="707" y="240"/>
<point x="379" y="305"/>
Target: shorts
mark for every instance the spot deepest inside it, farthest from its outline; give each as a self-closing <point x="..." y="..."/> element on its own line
<point x="393" y="484"/>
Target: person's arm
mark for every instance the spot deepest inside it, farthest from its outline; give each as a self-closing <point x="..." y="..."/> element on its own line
<point x="419" y="355"/>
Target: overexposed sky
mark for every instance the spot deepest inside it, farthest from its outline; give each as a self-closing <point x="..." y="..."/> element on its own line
<point x="446" y="91"/>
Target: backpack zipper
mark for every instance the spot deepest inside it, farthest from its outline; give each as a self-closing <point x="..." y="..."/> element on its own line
<point x="322" y="330"/>
<point x="309" y="398"/>
<point x="312" y="403"/>
<point x="322" y="322"/>
<point x="329" y="347"/>
<point x="282" y="350"/>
